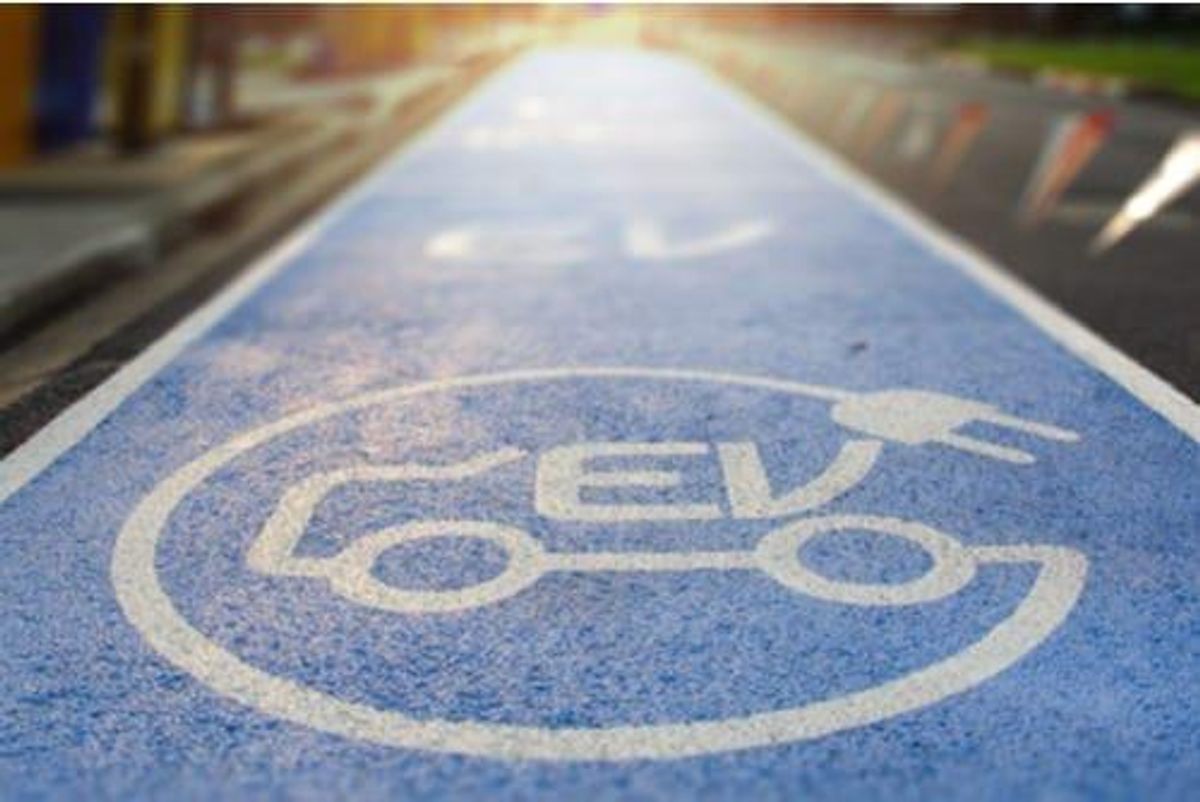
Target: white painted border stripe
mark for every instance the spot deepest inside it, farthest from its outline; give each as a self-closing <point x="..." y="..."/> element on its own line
<point x="1144" y="385"/>
<point x="72" y="425"/>
<point x="41" y="450"/>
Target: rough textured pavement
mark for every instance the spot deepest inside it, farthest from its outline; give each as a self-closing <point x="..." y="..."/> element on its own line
<point x="609" y="443"/>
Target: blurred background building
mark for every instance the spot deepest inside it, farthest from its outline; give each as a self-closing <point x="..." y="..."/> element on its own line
<point x="138" y="73"/>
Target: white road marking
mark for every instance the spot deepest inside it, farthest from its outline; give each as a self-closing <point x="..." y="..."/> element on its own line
<point x="1054" y="592"/>
<point x="645" y="239"/>
<point x="145" y="603"/>
<point x="563" y="474"/>
<point x="545" y="244"/>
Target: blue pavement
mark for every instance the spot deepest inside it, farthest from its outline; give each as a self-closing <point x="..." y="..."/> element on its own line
<point x="610" y="442"/>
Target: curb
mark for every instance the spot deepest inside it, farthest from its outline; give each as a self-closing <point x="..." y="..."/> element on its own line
<point x="156" y="223"/>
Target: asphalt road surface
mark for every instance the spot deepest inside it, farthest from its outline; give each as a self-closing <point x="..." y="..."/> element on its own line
<point x="609" y="442"/>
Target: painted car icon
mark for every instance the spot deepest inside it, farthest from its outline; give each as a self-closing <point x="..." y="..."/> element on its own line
<point x="564" y="477"/>
<point x="899" y="416"/>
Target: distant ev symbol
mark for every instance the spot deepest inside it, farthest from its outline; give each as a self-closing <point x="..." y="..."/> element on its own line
<point x="565" y="242"/>
<point x="563" y="476"/>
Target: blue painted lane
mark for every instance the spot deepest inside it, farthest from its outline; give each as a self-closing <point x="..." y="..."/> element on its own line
<point x="612" y="443"/>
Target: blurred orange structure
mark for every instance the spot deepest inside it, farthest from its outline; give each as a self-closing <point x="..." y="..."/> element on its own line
<point x="18" y="68"/>
<point x="165" y="50"/>
<point x="362" y="38"/>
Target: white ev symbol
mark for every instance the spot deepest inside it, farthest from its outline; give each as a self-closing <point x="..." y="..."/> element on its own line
<point x="910" y="417"/>
<point x="535" y="246"/>
<point x="563" y="474"/>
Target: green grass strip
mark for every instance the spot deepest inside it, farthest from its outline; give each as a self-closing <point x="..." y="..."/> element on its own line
<point x="1174" y="67"/>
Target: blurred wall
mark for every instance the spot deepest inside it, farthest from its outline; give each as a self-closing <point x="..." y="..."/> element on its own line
<point x="168" y="40"/>
<point x="356" y="38"/>
<point x="170" y="32"/>
<point x="69" y="75"/>
<point x="364" y="38"/>
<point x="18" y="72"/>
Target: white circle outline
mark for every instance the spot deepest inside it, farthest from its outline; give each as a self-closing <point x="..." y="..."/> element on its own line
<point x="778" y="555"/>
<point x="152" y="613"/>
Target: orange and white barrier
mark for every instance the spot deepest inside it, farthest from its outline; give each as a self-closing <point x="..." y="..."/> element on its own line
<point x="857" y="106"/>
<point x="882" y="120"/>
<point x="916" y="141"/>
<point x="1072" y="145"/>
<point x="968" y="124"/>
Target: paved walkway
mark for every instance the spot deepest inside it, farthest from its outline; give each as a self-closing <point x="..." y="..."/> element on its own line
<point x="609" y="443"/>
